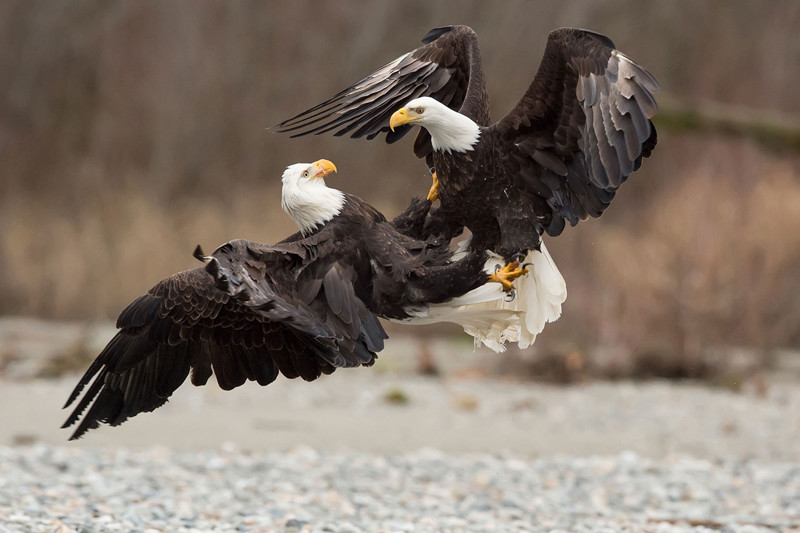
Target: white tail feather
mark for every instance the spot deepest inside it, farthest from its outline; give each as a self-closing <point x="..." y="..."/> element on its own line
<point x="543" y="291"/>
<point x="485" y="314"/>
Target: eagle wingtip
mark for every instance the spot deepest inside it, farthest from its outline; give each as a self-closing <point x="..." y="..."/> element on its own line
<point x="435" y="33"/>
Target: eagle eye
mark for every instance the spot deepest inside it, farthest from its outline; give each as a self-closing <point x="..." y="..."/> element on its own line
<point x="305" y="173"/>
<point x="420" y="110"/>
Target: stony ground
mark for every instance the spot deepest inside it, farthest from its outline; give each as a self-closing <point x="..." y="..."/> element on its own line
<point x="380" y="450"/>
<point x="45" y="488"/>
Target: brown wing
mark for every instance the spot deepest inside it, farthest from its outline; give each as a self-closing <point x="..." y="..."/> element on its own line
<point x="446" y="68"/>
<point x="581" y="128"/>
<point x="323" y="284"/>
<point x="186" y="323"/>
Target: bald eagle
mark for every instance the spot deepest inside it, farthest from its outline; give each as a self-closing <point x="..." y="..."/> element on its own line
<point x="302" y="307"/>
<point x="581" y="128"/>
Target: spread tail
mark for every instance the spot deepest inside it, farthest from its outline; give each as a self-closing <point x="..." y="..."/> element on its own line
<point x="486" y="314"/>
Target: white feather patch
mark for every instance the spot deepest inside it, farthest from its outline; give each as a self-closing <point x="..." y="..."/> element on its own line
<point x="308" y="201"/>
<point x="450" y="130"/>
<point x="485" y="314"/>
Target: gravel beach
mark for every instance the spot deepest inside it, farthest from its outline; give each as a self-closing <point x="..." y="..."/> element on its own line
<point x="459" y="456"/>
<point x="384" y="451"/>
<point x="45" y="488"/>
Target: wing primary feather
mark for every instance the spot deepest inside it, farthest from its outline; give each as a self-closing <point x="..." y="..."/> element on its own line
<point x="93" y="390"/>
<point x="435" y="33"/>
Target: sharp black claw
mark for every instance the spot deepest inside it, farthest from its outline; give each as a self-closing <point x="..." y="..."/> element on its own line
<point x="497" y="268"/>
<point x="511" y="295"/>
<point x="526" y="265"/>
<point x="519" y="257"/>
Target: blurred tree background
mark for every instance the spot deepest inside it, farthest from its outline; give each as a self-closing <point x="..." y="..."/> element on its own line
<point x="132" y="130"/>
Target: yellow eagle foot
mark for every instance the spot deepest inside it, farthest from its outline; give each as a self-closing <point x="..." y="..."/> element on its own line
<point x="506" y="275"/>
<point x="433" y="194"/>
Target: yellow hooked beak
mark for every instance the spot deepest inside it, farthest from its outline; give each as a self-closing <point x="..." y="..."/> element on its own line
<point x="400" y="118"/>
<point x="324" y="167"/>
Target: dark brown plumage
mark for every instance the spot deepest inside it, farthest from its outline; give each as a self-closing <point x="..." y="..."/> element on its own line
<point x="448" y="68"/>
<point x="302" y="308"/>
<point x="582" y="127"/>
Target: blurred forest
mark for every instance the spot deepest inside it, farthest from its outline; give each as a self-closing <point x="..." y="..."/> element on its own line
<point x="130" y="131"/>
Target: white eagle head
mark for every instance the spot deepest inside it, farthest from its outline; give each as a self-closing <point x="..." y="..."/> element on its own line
<point x="450" y="130"/>
<point x="306" y="198"/>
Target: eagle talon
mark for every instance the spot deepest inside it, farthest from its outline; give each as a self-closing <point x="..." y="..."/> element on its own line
<point x="433" y="194"/>
<point x="506" y="275"/>
<point x="511" y="296"/>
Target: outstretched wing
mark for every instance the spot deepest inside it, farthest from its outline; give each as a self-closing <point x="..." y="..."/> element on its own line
<point x="321" y="285"/>
<point x="581" y="128"/>
<point x="186" y="323"/>
<point x="447" y="68"/>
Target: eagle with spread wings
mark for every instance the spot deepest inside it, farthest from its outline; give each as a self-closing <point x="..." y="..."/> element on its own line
<point x="302" y="307"/>
<point x="581" y="128"/>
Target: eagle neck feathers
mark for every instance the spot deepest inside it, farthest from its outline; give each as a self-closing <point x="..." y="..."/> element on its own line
<point x="312" y="204"/>
<point x="456" y="133"/>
